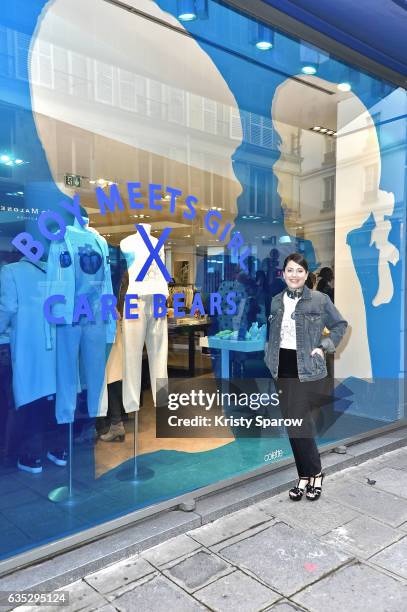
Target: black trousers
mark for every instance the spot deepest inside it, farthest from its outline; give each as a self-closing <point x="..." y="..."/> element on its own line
<point x="115" y="399"/>
<point x="296" y="402"/>
<point x="115" y="409"/>
<point x="6" y="399"/>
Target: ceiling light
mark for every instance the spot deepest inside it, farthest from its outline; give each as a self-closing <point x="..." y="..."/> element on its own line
<point x="323" y="130"/>
<point x="187" y="17"/>
<point x="309" y="69"/>
<point x="189" y="10"/>
<point x="92" y="182"/>
<point x="284" y="239"/>
<point x="263" y="45"/>
<point x="263" y="37"/>
<point x="345" y="86"/>
<point x="186" y="10"/>
<point x="311" y="58"/>
<point x="10" y="160"/>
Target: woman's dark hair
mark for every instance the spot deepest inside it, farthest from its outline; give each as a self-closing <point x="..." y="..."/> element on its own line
<point x="298" y="259"/>
<point x="326" y="274"/>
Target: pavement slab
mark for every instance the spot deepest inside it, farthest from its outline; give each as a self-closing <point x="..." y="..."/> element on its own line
<point x="229" y="526"/>
<point x="82" y="597"/>
<point x="122" y="573"/>
<point x="323" y="519"/>
<point x="367" y="499"/>
<point x="393" y="558"/>
<point x="237" y="591"/>
<point x="159" y="595"/>
<point x="198" y="570"/>
<point x="362" y="471"/>
<point x="362" y="536"/>
<point x="356" y="588"/>
<point x="285" y="558"/>
<point x="164" y="553"/>
<point x="390" y="480"/>
<point x="397" y="459"/>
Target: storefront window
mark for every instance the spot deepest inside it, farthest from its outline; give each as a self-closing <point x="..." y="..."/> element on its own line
<point x="201" y="151"/>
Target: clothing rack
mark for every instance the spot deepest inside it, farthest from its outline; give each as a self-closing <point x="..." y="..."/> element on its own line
<point x="188" y="289"/>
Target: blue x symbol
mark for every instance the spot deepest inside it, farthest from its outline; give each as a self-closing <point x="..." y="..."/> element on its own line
<point x="154" y="253"/>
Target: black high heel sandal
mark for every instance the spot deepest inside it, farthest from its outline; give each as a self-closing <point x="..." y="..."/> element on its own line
<point x="296" y="493"/>
<point x="314" y="491"/>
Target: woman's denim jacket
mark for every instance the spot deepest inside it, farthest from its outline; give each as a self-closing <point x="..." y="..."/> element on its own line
<point x="313" y="312"/>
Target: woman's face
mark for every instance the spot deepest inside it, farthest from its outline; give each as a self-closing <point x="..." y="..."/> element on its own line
<point x="294" y="275"/>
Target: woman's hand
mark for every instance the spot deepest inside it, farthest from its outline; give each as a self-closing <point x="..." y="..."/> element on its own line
<point x="318" y="351"/>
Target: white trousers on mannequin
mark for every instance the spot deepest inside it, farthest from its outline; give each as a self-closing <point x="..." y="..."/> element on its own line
<point x="82" y="344"/>
<point x="154" y="333"/>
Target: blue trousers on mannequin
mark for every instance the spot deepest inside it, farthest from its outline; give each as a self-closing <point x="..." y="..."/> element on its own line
<point x="83" y="344"/>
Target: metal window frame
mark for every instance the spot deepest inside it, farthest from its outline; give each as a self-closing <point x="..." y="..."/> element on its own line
<point x="257" y="9"/>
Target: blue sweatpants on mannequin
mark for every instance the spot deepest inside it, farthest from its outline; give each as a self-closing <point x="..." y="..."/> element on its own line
<point x="81" y="344"/>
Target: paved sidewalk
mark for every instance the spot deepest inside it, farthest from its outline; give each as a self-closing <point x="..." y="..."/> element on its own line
<point x="345" y="552"/>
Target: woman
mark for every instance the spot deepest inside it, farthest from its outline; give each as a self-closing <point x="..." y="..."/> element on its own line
<point x="295" y="356"/>
<point x="326" y="277"/>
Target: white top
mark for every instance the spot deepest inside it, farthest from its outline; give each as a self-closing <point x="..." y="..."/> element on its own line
<point x="136" y="253"/>
<point x="288" y="339"/>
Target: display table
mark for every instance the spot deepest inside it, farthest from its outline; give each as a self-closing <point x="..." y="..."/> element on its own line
<point x="189" y="326"/>
<point x="226" y="345"/>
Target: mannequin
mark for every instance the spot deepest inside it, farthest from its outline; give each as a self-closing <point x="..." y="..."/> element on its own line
<point x="21" y="298"/>
<point x="145" y="329"/>
<point x="78" y="265"/>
